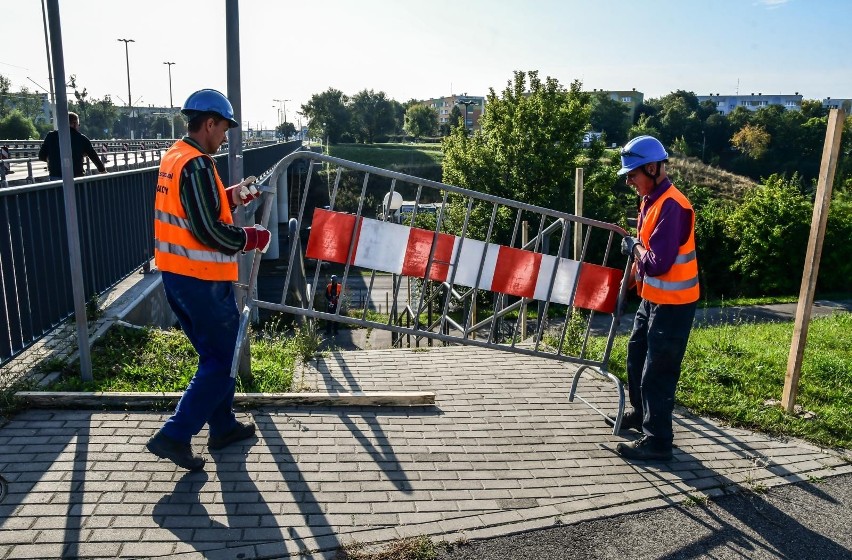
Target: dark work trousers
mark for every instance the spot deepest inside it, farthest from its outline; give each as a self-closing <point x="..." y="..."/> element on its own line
<point x="654" y="355"/>
<point x="207" y="312"/>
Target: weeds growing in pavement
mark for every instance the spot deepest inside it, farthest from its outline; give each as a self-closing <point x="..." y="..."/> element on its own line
<point x="411" y="548"/>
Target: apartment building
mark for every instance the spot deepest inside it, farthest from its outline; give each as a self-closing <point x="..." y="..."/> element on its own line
<point x="474" y="105"/>
<point x="845" y="104"/>
<point x="725" y="104"/>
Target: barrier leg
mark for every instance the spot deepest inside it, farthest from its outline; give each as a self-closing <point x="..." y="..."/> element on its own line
<point x="245" y="317"/>
<point x="619" y="413"/>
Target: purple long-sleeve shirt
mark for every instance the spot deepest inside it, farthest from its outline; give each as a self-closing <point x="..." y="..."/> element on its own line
<point x="672" y="230"/>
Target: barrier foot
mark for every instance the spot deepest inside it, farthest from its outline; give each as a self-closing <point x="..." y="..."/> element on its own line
<point x="619" y="413"/>
<point x="245" y="317"/>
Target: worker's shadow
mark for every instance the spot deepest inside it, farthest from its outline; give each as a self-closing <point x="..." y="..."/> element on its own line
<point x="249" y="520"/>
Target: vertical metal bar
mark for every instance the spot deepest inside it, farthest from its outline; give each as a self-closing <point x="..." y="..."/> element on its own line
<point x="68" y="189"/>
<point x="354" y="234"/>
<point x="551" y="283"/>
<point x="475" y="289"/>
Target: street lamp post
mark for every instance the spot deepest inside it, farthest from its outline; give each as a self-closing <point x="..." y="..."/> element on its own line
<point x="282" y="103"/>
<point x="129" y="99"/>
<point x="171" y="103"/>
<point x="467" y="103"/>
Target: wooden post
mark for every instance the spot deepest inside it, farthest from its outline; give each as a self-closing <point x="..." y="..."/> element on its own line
<point x="578" y="211"/>
<point x="522" y="312"/>
<point x="830" y="151"/>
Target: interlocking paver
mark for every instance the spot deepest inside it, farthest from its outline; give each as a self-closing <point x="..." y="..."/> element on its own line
<point x="502" y="451"/>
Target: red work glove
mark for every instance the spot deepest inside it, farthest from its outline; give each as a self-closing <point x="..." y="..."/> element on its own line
<point x="257" y="237"/>
<point x="243" y="192"/>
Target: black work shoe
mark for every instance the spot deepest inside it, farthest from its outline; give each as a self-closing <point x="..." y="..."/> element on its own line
<point x="632" y="421"/>
<point x="644" y="449"/>
<point x="178" y="453"/>
<point x="238" y="433"/>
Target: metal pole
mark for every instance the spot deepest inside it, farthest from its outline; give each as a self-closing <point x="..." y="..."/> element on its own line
<point x="129" y="99"/>
<point x="235" y="150"/>
<point x="49" y="67"/>
<point x="72" y="227"/>
<point x="171" y="103"/>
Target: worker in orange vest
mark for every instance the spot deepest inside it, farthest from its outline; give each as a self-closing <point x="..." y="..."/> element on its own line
<point x="332" y="298"/>
<point x="666" y="276"/>
<point x="196" y="248"/>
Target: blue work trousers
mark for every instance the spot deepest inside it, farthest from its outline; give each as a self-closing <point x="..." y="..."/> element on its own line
<point x="207" y="312"/>
<point x="654" y="355"/>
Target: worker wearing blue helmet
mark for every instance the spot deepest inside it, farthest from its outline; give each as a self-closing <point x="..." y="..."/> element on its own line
<point x="196" y="248"/>
<point x="665" y="271"/>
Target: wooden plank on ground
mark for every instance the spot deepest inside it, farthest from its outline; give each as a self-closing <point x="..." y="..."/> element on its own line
<point x="72" y="399"/>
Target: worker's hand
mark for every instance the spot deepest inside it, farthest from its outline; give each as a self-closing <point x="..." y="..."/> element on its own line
<point x="628" y="244"/>
<point x="243" y="192"/>
<point x="257" y="237"/>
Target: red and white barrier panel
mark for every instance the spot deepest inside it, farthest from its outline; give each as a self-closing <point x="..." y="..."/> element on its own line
<point x="399" y="249"/>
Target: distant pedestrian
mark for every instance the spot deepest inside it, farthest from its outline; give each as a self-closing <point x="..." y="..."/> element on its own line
<point x="196" y="247"/>
<point x="332" y="298"/>
<point x="666" y="274"/>
<point x="80" y="146"/>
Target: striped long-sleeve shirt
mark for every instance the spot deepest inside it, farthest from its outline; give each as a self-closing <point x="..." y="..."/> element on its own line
<point x="200" y="199"/>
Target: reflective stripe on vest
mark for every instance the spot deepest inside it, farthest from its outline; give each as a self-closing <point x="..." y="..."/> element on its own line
<point x="176" y="249"/>
<point x="679" y="285"/>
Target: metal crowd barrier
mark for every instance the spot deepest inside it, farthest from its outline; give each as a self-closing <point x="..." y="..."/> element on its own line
<point x="467" y="248"/>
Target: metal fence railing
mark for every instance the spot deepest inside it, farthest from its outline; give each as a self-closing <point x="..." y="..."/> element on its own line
<point x="115" y="213"/>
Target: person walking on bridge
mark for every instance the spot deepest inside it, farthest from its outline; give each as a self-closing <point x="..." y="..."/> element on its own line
<point x="196" y="243"/>
<point x="80" y="146"/>
<point x="666" y="275"/>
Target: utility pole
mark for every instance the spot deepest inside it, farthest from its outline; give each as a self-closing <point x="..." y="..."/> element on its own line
<point x="129" y="99"/>
<point x="171" y="103"/>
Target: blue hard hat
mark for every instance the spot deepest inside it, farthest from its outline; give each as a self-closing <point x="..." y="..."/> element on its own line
<point x="209" y="101"/>
<point x="639" y="151"/>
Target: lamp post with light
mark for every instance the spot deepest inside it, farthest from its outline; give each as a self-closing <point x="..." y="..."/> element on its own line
<point x="171" y="103"/>
<point x="129" y="99"/>
<point x="467" y="103"/>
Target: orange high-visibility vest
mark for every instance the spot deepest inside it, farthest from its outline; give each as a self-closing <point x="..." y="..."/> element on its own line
<point x="680" y="284"/>
<point x="175" y="248"/>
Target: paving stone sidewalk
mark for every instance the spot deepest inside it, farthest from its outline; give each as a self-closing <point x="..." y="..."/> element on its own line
<point x="502" y="451"/>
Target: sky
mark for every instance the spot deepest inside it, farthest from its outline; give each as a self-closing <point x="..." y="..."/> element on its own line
<point x="408" y="49"/>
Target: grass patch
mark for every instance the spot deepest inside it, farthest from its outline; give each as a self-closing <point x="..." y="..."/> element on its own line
<point x="152" y="360"/>
<point x="735" y="372"/>
<point x="390" y="156"/>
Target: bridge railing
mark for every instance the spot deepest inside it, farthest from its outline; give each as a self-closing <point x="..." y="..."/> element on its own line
<point x="116" y="220"/>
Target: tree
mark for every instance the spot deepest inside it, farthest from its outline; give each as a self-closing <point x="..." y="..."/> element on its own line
<point x="527" y="145"/>
<point x="286" y="130"/>
<point x="752" y="140"/>
<point x="5" y="101"/>
<point x="101" y="117"/>
<point x="611" y="117"/>
<point x="643" y="127"/>
<point x="328" y="114"/>
<point x="456" y="117"/>
<point x="421" y="120"/>
<point x="15" y="126"/>
<point x="372" y="115"/>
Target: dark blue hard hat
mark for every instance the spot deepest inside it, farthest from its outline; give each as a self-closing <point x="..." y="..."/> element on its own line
<point x="209" y="101"/>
